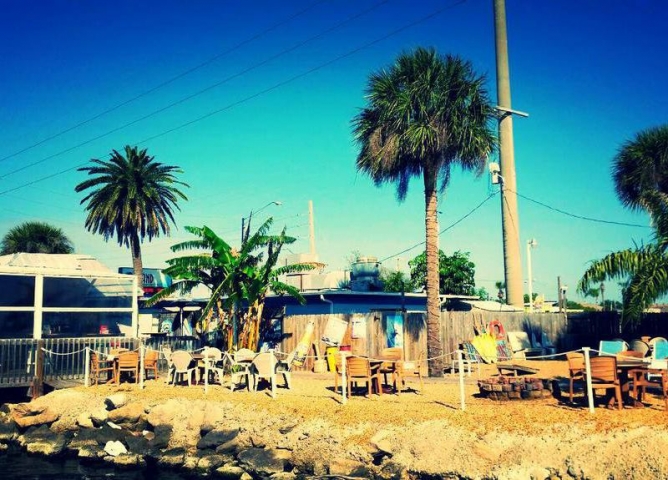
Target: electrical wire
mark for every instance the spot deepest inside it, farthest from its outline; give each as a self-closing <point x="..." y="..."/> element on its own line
<point x="199" y="92"/>
<point x="267" y="90"/>
<point x="168" y="81"/>
<point x="452" y="225"/>
<point x="580" y="217"/>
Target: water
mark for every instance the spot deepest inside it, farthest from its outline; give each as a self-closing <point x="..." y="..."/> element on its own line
<point x="20" y="466"/>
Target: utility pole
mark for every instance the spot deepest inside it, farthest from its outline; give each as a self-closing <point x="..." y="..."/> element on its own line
<point x="311" y="229"/>
<point x="510" y="216"/>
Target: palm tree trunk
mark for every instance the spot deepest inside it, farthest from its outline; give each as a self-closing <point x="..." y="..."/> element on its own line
<point x="137" y="266"/>
<point x="434" y="349"/>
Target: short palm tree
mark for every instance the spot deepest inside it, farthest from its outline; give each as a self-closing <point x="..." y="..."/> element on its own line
<point x="131" y="197"/>
<point x="235" y="278"/>
<point x="426" y="113"/>
<point x="640" y="170"/>
<point x="35" y="237"/>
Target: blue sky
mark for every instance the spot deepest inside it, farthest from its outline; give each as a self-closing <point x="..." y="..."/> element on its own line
<point x="272" y="121"/>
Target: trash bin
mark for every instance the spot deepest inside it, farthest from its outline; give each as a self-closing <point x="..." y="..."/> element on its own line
<point x="330" y="353"/>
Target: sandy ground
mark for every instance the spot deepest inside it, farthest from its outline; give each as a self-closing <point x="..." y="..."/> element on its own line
<point x="429" y="433"/>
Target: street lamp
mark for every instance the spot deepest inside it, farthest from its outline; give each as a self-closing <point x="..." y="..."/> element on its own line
<point x="533" y="243"/>
<point x="245" y="229"/>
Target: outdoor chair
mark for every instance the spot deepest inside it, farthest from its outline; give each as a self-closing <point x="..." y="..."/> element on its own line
<point x="612" y="347"/>
<point x="151" y="362"/>
<point x="239" y="365"/>
<point x="603" y="371"/>
<point x="213" y="361"/>
<point x="415" y="368"/>
<point x="167" y="354"/>
<point x="359" y="369"/>
<point x="655" y="375"/>
<point x="638" y="345"/>
<point x="264" y="366"/>
<point x="653" y="341"/>
<point x="128" y="362"/>
<point x="521" y="346"/>
<point x="284" y="367"/>
<point x="182" y="363"/>
<point x="394" y="356"/>
<point x="99" y="366"/>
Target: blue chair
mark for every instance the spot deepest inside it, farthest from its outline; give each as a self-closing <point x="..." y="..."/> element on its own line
<point x="612" y="347"/>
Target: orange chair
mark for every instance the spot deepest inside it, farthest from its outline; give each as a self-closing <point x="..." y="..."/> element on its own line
<point x="151" y="363"/>
<point x="604" y="376"/>
<point x="99" y="366"/>
<point x="357" y="369"/>
<point x="576" y="370"/>
<point x="128" y="362"/>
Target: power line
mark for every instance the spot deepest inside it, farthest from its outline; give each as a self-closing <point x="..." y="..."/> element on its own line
<point x="267" y="90"/>
<point x="580" y="217"/>
<point x="199" y="92"/>
<point x="452" y="225"/>
<point x="168" y="81"/>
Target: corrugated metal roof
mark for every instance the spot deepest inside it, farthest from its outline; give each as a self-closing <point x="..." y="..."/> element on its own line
<point x="54" y="264"/>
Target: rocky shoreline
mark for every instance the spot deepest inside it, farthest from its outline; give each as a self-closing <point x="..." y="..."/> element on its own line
<point x="197" y="438"/>
<point x="307" y="433"/>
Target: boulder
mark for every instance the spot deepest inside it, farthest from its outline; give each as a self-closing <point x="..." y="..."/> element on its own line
<point x="8" y="430"/>
<point x="231" y="472"/>
<point x="84" y="421"/>
<point x="210" y="462"/>
<point x="115" y="401"/>
<point x="30" y="418"/>
<point x="41" y="440"/>
<point x="345" y="467"/>
<point x="264" y="461"/>
<point x="129" y="460"/>
<point x="138" y="445"/>
<point x="216" y="438"/>
<point x="164" y="414"/>
<point x="115" y="448"/>
<point x="130" y="416"/>
<point x="161" y="436"/>
<point x="172" y="458"/>
<point x="99" y="416"/>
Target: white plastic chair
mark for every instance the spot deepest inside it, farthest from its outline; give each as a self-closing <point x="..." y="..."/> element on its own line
<point x="181" y="361"/>
<point x="264" y="366"/>
<point x="239" y="365"/>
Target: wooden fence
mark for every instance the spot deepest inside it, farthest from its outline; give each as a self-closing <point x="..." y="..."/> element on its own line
<point x="456" y="327"/>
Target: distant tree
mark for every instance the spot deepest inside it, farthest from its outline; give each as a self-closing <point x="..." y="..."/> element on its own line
<point x="456" y="273"/>
<point x="482" y="293"/>
<point x="426" y="114"/>
<point x="36" y="237"/>
<point x="131" y="197"/>
<point x="395" y="281"/>
<point x="533" y="297"/>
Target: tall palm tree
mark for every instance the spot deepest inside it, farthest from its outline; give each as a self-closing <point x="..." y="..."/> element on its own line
<point x="640" y="171"/>
<point x="35" y="237"/>
<point x="426" y="113"/>
<point x="131" y="197"/>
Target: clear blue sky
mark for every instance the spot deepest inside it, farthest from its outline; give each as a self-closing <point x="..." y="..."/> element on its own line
<point x="591" y="74"/>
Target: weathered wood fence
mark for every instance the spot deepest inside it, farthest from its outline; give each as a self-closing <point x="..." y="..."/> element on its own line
<point x="456" y="327"/>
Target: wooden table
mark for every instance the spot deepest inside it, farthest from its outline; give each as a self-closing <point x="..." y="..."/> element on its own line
<point x="624" y="366"/>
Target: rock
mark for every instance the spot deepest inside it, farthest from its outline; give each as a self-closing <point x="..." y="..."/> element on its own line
<point x="130" y="416"/>
<point x="8" y="430"/>
<point x="164" y="414"/>
<point x="138" y="445"/>
<point x="231" y="446"/>
<point x="258" y="441"/>
<point x="115" y="401"/>
<point x="43" y="441"/>
<point x="287" y="429"/>
<point x="381" y="442"/>
<point x="161" y="436"/>
<point x="283" y="476"/>
<point x="84" y="421"/>
<point x="190" y="463"/>
<point x="217" y="438"/>
<point x="213" y="419"/>
<point x="129" y="460"/>
<point x="172" y="458"/>
<point x="3" y="447"/>
<point x="113" y="426"/>
<point x="99" y="416"/>
<point x="539" y="473"/>
<point x="115" y="448"/>
<point x="28" y="419"/>
<point x="264" y="461"/>
<point x="230" y="472"/>
<point x="394" y="471"/>
<point x="210" y="462"/>
<point x="345" y="467"/>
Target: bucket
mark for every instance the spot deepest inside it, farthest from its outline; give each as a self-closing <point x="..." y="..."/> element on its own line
<point x="319" y="365"/>
<point x="330" y="354"/>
